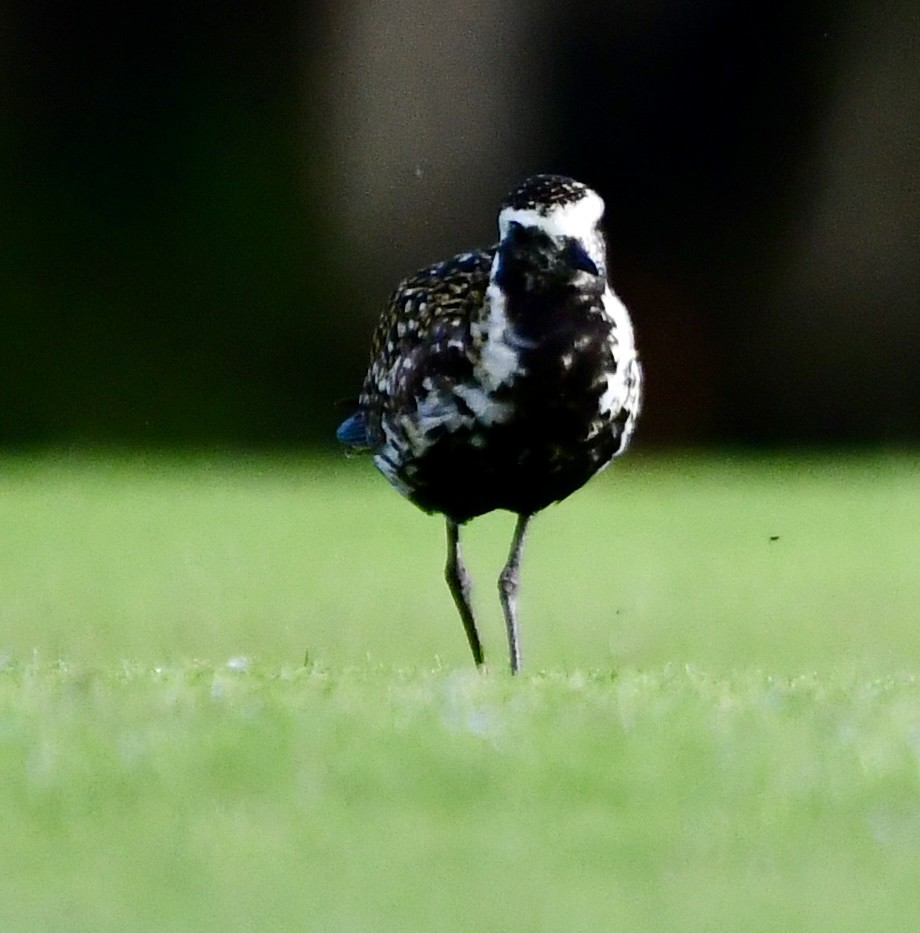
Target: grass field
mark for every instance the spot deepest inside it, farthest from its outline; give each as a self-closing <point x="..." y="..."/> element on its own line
<point x="234" y="694"/>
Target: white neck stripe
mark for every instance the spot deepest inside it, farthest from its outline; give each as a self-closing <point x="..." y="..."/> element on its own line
<point x="574" y="219"/>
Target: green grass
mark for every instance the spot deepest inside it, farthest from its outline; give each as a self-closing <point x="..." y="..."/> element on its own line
<point x="714" y="730"/>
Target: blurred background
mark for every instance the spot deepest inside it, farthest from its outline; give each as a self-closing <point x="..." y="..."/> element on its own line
<point x="207" y="204"/>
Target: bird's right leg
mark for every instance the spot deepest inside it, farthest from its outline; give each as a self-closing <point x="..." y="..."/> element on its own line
<point x="508" y="590"/>
<point x="459" y="582"/>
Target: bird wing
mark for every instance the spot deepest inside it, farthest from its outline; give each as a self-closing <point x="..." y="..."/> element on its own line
<point x="423" y="333"/>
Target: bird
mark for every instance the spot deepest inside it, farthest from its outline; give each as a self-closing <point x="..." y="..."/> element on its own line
<point x="503" y="378"/>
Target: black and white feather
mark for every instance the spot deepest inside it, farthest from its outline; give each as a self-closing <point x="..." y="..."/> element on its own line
<point x="503" y="378"/>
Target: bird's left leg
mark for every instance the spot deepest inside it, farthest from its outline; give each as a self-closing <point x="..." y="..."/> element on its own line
<point x="508" y="590"/>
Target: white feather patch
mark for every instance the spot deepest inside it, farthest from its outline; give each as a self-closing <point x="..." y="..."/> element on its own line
<point x="486" y="410"/>
<point x="621" y="384"/>
<point x="577" y="219"/>
<point x="498" y="361"/>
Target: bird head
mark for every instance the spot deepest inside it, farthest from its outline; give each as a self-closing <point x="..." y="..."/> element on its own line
<point x="555" y="219"/>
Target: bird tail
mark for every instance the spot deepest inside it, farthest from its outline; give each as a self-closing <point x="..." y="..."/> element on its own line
<point x="352" y="432"/>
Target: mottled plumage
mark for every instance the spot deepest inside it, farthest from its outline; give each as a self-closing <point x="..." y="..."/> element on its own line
<point x="503" y="378"/>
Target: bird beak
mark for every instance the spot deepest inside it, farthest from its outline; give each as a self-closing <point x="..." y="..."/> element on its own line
<point x="577" y="257"/>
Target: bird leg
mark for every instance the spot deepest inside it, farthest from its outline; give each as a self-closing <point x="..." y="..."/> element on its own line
<point x="508" y="590"/>
<point x="459" y="583"/>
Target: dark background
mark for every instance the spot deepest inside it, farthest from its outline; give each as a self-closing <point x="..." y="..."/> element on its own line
<point x="205" y="205"/>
